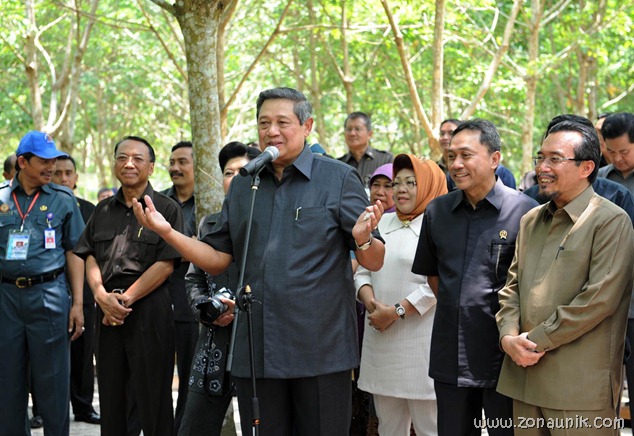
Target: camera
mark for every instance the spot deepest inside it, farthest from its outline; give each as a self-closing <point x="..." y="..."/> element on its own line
<point x="211" y="307"/>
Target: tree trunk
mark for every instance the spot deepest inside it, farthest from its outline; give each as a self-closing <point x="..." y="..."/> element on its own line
<point x="437" y="112"/>
<point x="531" y="85"/>
<point x="199" y="20"/>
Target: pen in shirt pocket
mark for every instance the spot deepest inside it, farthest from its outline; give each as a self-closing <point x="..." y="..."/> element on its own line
<point x="297" y="213"/>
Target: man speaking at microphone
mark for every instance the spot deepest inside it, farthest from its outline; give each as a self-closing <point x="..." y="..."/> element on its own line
<point x="311" y="211"/>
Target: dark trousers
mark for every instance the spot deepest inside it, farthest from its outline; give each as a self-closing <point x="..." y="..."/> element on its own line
<point x="139" y="354"/>
<point x="204" y="414"/>
<point x="82" y="372"/>
<point x="459" y="409"/>
<point x="311" y="406"/>
<point x="186" y="336"/>
<point x="34" y="328"/>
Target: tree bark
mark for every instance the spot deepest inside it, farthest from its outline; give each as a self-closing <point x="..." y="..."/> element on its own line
<point x="199" y="20"/>
<point x="531" y="84"/>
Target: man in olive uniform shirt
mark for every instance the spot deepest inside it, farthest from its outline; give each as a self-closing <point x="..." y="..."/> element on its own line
<point x="127" y="267"/>
<point x="563" y="310"/>
<point x="39" y="226"/>
<point x="358" y="131"/>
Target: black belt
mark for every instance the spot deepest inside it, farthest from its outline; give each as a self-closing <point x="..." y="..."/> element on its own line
<point x="27" y="282"/>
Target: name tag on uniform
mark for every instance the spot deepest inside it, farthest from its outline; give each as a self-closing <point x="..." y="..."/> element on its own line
<point x="49" y="238"/>
<point x="17" y="246"/>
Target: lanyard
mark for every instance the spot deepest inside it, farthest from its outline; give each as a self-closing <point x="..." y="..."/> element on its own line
<point x="17" y="205"/>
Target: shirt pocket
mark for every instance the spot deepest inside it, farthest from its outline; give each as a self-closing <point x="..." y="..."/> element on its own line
<point x="146" y="243"/>
<point x="103" y="241"/>
<point x="310" y="223"/>
<point x="501" y="256"/>
<point x="8" y="222"/>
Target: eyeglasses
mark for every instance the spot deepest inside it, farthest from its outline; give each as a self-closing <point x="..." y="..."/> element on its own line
<point x="378" y="185"/>
<point x="409" y="184"/>
<point x="553" y="161"/>
<point x="123" y="159"/>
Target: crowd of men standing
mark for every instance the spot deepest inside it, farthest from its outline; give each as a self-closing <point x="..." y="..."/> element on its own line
<point x="531" y="301"/>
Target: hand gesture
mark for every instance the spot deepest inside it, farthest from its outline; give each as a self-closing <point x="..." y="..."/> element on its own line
<point x="367" y="222"/>
<point x="150" y="218"/>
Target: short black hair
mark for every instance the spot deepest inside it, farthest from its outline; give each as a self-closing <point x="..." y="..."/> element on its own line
<point x="182" y="144"/>
<point x="139" y="139"/>
<point x="10" y="162"/>
<point x="589" y="147"/>
<point x="489" y="135"/>
<point x="70" y="158"/>
<point x="567" y="117"/>
<point x="28" y="155"/>
<point x="236" y="149"/>
<point x="360" y="115"/>
<point x="455" y="121"/>
<point x="618" y="124"/>
<point x="301" y="107"/>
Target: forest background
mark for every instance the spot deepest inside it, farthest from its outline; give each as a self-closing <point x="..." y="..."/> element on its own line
<point x="92" y="71"/>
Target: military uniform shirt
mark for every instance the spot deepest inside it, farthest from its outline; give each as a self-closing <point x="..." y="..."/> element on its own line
<point x="65" y="220"/>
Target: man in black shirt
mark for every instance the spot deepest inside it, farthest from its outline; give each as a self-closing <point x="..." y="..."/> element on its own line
<point x="127" y="267"/>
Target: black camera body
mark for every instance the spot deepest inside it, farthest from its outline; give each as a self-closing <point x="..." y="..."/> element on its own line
<point x="211" y="307"/>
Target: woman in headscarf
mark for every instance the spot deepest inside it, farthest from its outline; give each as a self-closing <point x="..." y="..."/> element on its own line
<point x="401" y="307"/>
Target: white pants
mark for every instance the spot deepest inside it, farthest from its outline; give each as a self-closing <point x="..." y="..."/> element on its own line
<point x="397" y="414"/>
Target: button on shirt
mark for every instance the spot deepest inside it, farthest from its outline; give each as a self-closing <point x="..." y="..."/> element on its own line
<point x="470" y="250"/>
<point x="123" y="249"/>
<point x="60" y="205"/>
<point x="298" y="266"/>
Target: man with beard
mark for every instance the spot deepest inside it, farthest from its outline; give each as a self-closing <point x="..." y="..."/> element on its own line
<point x="563" y="310"/>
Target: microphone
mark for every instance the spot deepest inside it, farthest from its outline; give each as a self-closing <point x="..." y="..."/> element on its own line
<point x="269" y="154"/>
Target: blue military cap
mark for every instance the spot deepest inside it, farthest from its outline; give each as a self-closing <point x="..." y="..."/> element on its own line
<point x="40" y="144"/>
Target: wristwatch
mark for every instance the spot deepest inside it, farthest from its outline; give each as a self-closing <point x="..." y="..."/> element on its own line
<point x="400" y="310"/>
<point x="364" y="246"/>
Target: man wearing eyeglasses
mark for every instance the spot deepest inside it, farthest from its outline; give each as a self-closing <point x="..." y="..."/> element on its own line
<point x="563" y="310"/>
<point x="127" y="267"/>
<point x="357" y="132"/>
<point x="466" y="245"/>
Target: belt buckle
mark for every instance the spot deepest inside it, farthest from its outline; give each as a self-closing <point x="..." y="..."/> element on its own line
<point x="23" y="282"/>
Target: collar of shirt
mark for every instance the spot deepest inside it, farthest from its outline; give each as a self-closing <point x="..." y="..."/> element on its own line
<point x="171" y="193"/>
<point x="392" y="224"/>
<point x="118" y="197"/>
<point x="369" y="152"/>
<point x="494" y="197"/>
<point x="15" y="183"/>
<point x="303" y="163"/>
<point x="575" y="208"/>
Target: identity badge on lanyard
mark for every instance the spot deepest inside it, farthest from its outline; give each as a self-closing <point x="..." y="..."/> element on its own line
<point x="18" y="243"/>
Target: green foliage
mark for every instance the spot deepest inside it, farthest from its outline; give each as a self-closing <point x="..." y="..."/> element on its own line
<point x="130" y="83"/>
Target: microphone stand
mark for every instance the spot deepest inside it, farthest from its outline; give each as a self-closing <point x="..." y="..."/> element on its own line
<point x="244" y="299"/>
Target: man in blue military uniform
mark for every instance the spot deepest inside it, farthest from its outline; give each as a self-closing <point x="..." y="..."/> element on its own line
<point x="40" y="224"/>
